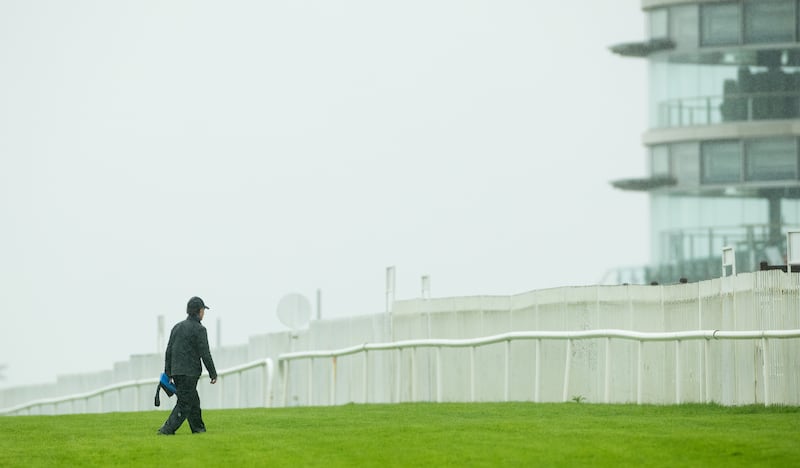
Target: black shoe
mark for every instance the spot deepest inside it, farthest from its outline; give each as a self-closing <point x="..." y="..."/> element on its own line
<point x="199" y="431"/>
<point x="161" y="432"/>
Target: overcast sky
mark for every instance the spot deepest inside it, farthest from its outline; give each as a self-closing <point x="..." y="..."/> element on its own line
<point x="242" y="150"/>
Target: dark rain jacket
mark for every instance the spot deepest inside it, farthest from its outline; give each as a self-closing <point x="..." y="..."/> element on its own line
<point x="188" y="344"/>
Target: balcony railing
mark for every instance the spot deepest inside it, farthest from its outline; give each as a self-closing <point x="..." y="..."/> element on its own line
<point x="710" y="110"/>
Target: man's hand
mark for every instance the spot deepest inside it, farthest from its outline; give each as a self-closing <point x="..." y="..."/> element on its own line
<point x="213" y="381"/>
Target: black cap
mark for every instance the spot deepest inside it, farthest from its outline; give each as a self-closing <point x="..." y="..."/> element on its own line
<point x="195" y="304"/>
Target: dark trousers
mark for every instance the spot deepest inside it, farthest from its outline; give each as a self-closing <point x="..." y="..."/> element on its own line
<point x="187" y="407"/>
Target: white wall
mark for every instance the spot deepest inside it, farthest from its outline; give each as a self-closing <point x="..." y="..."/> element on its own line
<point x="751" y="301"/>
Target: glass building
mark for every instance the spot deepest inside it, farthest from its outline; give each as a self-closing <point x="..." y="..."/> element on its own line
<point x="723" y="134"/>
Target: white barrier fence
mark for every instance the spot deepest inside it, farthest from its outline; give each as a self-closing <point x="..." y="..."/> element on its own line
<point x="73" y="401"/>
<point x="230" y="381"/>
<point x="641" y="337"/>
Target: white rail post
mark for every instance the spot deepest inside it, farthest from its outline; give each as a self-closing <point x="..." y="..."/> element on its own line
<point x="792" y="249"/>
<point x="284" y="365"/>
<point x="333" y="381"/>
<point x="639" y="372"/>
<point x="507" y="372"/>
<point x="607" y="389"/>
<point x="414" y="374"/>
<point x="538" y="371"/>
<point x="221" y="391"/>
<point x="728" y="260"/>
<point x="237" y="391"/>
<point x="397" y="374"/>
<point x="472" y="374"/>
<point x="567" y="366"/>
<point x="438" y="374"/>
<point x="706" y="372"/>
<point x="678" y="372"/>
<point x="266" y="383"/>
<point x="310" y="389"/>
<point x="765" y="366"/>
<point x="364" y="382"/>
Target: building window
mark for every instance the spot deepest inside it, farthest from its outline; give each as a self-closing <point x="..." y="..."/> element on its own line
<point x="659" y="161"/>
<point x="685" y="163"/>
<point x="657" y="24"/>
<point x="771" y="159"/>
<point x="722" y="162"/>
<point x="769" y="21"/>
<point x="720" y="24"/>
<point x="683" y="27"/>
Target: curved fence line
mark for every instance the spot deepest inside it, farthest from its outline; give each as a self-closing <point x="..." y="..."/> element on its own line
<point x="267" y="376"/>
<point x="545" y="335"/>
<point x="641" y="337"/>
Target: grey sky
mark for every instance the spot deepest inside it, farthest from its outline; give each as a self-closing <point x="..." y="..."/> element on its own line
<point x="242" y="150"/>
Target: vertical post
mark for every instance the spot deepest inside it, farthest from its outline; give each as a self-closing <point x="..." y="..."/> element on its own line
<point x="309" y="396"/>
<point x="568" y="364"/>
<point x="160" y="334"/>
<point x="706" y="372"/>
<point x="607" y="389"/>
<point x="792" y="249"/>
<point x="135" y="398"/>
<point x="319" y="304"/>
<point x="364" y="381"/>
<point x="426" y="287"/>
<point x="265" y="384"/>
<point x="765" y="367"/>
<point x="472" y="374"/>
<point x="538" y="371"/>
<point x="507" y="371"/>
<point x="639" y="372"/>
<point x="414" y="374"/>
<point x="237" y="390"/>
<point x="390" y="283"/>
<point x="678" y="372"/>
<point x="728" y="260"/>
<point x="438" y="374"/>
<point x="284" y="365"/>
<point x="333" y="381"/>
<point x="399" y="361"/>
<point x="220" y="392"/>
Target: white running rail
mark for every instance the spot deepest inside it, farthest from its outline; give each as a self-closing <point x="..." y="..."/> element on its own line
<point x="569" y="336"/>
<point x="136" y="385"/>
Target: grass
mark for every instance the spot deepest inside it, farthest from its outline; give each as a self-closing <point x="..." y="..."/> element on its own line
<point x="420" y="434"/>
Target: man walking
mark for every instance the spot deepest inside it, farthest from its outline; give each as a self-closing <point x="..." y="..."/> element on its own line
<point x="188" y="345"/>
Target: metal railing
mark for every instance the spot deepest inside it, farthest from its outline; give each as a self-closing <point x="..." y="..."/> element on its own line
<point x="707" y="110"/>
<point x="507" y="338"/>
<point x="136" y="386"/>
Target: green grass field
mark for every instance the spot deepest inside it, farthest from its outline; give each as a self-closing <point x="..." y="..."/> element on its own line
<point x="422" y="434"/>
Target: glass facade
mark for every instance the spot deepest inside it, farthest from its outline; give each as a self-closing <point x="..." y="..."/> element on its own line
<point x="727" y="161"/>
<point x="720" y="24"/>
<point x="771" y="159"/>
<point x="722" y="162"/>
<point x="769" y="21"/>
<point x="726" y="23"/>
<point x="686" y="228"/>
<point x="733" y="61"/>
<point x="730" y="77"/>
